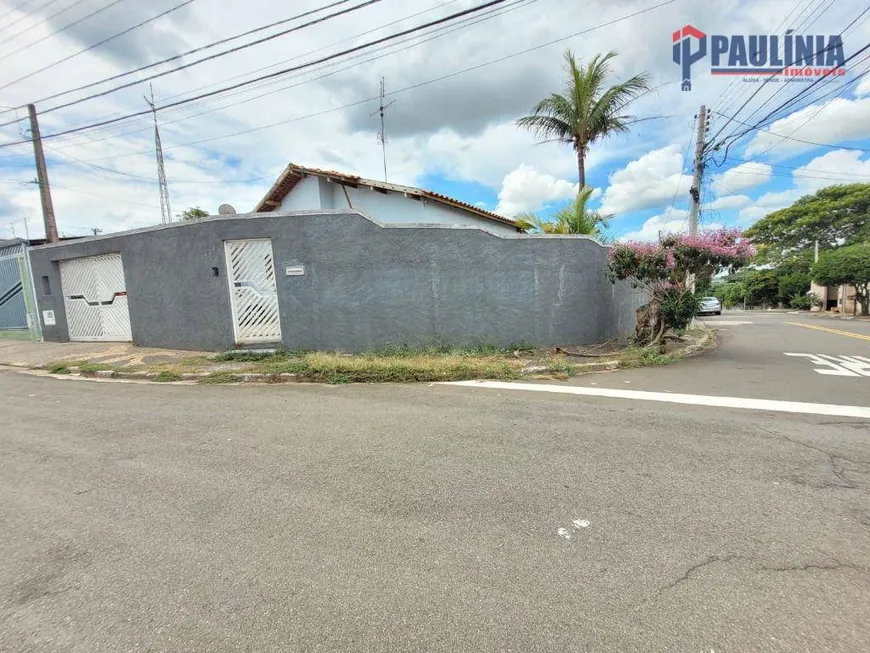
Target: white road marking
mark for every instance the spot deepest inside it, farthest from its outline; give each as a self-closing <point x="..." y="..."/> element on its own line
<point x="581" y="523"/>
<point x="838" y="365"/>
<point x="746" y="403"/>
<point x="564" y="532"/>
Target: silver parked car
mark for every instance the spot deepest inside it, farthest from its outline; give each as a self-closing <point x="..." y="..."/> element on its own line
<point x="711" y="305"/>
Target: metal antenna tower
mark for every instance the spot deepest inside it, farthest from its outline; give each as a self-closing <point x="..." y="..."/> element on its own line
<point x="165" y="210"/>
<point x="382" y="134"/>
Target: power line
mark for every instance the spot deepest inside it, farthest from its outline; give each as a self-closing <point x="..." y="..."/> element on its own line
<point x="798" y="25"/>
<point x="64" y="28"/>
<point x="443" y="32"/>
<point x="96" y="45"/>
<point x="190" y="52"/>
<point x="153" y="180"/>
<point x="775" y="173"/>
<point x="402" y="90"/>
<point x="797" y="96"/>
<point x="18" y="7"/>
<point x="790" y="136"/>
<point x="357" y="48"/>
<point x="28" y="15"/>
<point x="685" y="160"/>
<point x="809" y="118"/>
<point x="784" y="86"/>
<point x="446" y="29"/>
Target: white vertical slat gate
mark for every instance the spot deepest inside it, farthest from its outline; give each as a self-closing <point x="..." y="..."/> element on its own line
<point x="254" y="295"/>
<point x="95" y="298"/>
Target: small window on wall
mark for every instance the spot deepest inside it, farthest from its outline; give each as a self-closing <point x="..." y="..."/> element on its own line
<point x="46" y="286"/>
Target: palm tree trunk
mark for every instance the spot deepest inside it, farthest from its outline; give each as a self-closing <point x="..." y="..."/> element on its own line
<point x="581" y="165"/>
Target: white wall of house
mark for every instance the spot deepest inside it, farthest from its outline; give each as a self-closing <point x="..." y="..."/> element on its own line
<point x="389" y="208"/>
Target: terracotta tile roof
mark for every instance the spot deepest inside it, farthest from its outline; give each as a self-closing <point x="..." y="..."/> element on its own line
<point x="293" y="174"/>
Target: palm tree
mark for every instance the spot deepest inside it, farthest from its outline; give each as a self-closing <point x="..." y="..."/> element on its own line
<point x="573" y="218"/>
<point x="586" y="111"/>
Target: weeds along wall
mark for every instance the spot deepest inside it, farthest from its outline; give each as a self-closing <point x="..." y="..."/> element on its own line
<point x="363" y="285"/>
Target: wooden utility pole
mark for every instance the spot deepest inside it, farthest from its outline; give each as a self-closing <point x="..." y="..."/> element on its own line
<point x="42" y="178"/>
<point x="695" y="190"/>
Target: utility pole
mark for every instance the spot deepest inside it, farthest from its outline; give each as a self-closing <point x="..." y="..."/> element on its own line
<point x="695" y="190"/>
<point x="165" y="210"/>
<point x="382" y="135"/>
<point x="42" y="178"/>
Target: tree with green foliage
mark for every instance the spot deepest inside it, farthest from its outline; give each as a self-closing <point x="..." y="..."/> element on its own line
<point x="587" y="110"/>
<point x="835" y="216"/>
<point x="573" y="218"/>
<point x="730" y="293"/>
<point x="848" y="265"/>
<point x="761" y="288"/>
<point x="193" y="213"/>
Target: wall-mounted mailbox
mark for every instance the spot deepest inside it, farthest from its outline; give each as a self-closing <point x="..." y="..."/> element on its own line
<point x="48" y="318"/>
<point x="294" y="270"/>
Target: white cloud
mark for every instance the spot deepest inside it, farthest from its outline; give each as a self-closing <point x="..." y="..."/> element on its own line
<point x="526" y="189"/>
<point x="768" y="203"/>
<point x="743" y="176"/>
<point x="841" y="119"/>
<point x="671" y="221"/>
<point x="823" y="171"/>
<point x="652" y="180"/>
<point x="834" y="167"/>
<point x="728" y="202"/>
<point x="863" y="87"/>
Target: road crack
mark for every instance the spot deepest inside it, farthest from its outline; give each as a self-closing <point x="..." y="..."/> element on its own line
<point x="812" y="566"/>
<point x="835" y="462"/>
<point x="694" y="568"/>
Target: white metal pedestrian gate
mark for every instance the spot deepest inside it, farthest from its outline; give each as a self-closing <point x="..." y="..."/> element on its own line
<point x="251" y="274"/>
<point x="95" y="297"/>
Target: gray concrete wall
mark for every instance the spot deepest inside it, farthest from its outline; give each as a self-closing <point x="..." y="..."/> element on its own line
<point x="365" y="285"/>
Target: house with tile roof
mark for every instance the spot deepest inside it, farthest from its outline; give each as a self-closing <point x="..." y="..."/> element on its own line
<point x="305" y="189"/>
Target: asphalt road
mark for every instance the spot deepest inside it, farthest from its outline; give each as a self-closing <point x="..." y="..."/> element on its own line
<point x="439" y="518"/>
<point x="752" y="361"/>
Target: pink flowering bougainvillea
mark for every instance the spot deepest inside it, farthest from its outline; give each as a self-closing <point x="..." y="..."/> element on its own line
<point x="666" y="268"/>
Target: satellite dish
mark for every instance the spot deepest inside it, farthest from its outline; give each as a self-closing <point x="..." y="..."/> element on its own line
<point x="226" y="209"/>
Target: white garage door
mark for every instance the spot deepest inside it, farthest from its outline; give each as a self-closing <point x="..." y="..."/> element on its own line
<point x="95" y="297"/>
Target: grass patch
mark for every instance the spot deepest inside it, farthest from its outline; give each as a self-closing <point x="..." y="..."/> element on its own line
<point x="436" y="349"/>
<point x="561" y="366"/>
<point x="166" y="376"/>
<point x="219" y="377"/>
<point x="248" y="356"/>
<point x="90" y="368"/>
<point x="377" y="367"/>
<point x="634" y="356"/>
<point x="58" y="368"/>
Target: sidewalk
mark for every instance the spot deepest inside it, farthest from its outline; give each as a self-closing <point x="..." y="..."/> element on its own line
<point x="27" y="354"/>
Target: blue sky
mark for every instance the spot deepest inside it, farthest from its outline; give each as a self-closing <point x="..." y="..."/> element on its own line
<point x="454" y="94"/>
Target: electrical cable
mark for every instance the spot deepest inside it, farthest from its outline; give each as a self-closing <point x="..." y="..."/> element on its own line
<point x="62" y="29"/>
<point x="444" y="30"/>
<point x="193" y="51"/>
<point x="359" y="102"/>
<point x="96" y="45"/>
<point x="30" y="14"/>
<point x="357" y="48"/>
